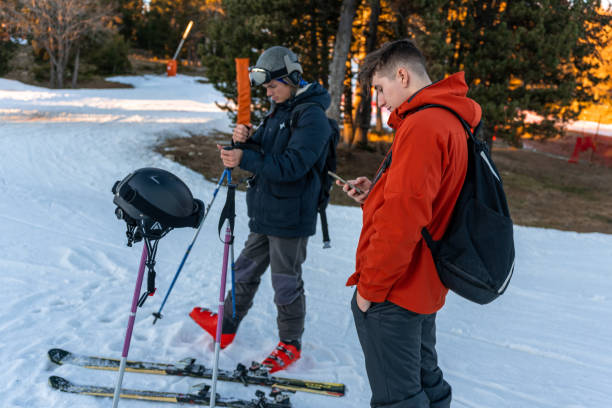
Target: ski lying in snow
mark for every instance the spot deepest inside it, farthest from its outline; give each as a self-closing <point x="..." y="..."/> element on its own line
<point x="202" y="397"/>
<point x="188" y="368"/>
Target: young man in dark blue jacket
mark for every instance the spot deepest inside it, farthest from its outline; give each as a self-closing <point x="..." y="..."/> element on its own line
<point x="282" y="200"/>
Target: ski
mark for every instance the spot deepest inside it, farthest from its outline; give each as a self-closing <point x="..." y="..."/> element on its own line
<point x="202" y="397"/>
<point x="188" y="368"/>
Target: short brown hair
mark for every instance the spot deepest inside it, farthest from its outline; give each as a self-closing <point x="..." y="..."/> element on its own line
<point x="388" y="57"/>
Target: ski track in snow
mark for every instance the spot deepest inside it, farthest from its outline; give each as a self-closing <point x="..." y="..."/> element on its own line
<point x="68" y="278"/>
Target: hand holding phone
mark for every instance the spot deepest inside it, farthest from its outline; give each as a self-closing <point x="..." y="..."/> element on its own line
<point x="337" y="177"/>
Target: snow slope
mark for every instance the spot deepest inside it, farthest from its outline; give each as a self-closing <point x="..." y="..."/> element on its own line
<point x="67" y="277"/>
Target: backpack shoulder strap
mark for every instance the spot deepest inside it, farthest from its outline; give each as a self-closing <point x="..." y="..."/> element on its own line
<point x="466" y="126"/>
<point x="297" y="111"/>
<point x="387" y="162"/>
<point x="433" y="245"/>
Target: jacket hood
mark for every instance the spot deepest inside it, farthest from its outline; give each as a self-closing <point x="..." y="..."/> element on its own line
<point x="450" y="92"/>
<point x="313" y="92"/>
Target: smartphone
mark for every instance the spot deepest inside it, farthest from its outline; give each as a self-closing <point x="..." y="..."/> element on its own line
<point x="337" y="177"/>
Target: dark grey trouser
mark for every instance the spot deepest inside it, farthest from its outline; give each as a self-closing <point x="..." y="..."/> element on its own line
<point x="400" y="356"/>
<point x="285" y="257"/>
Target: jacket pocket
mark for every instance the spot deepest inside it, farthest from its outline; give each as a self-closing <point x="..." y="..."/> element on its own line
<point x="381" y="307"/>
<point x="288" y="189"/>
<point x="357" y="313"/>
<point x="282" y="211"/>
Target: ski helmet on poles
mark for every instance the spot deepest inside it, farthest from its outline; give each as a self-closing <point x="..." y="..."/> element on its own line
<point x="154" y="201"/>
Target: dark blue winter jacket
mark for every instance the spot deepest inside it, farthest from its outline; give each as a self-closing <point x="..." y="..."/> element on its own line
<point x="283" y="195"/>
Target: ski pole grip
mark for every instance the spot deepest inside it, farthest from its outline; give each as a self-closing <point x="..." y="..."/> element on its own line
<point x="229" y="148"/>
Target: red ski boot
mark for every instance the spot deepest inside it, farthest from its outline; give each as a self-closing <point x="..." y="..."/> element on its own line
<point x="208" y="321"/>
<point x="284" y="355"/>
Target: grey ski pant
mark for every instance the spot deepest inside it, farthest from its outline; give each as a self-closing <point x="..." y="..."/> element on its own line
<point x="285" y="257"/>
<point x="399" y="347"/>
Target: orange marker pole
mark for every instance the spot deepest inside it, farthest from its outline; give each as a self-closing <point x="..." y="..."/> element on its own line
<point x="244" y="91"/>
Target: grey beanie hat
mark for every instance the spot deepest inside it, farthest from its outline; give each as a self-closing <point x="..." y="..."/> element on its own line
<point x="278" y="58"/>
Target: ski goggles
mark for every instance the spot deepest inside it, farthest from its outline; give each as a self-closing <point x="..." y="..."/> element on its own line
<point x="260" y="76"/>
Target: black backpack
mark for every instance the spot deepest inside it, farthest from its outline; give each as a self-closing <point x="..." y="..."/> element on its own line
<point x="475" y="257"/>
<point x="329" y="164"/>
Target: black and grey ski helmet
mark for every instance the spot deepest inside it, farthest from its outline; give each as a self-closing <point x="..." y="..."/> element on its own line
<point x="156" y="201"/>
<point x="275" y="63"/>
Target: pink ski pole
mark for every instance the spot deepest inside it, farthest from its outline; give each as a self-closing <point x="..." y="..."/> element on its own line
<point x="220" y="311"/>
<point x="227" y="214"/>
<point x="130" y="326"/>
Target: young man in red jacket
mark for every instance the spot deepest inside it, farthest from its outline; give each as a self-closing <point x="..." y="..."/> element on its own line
<point x="398" y="289"/>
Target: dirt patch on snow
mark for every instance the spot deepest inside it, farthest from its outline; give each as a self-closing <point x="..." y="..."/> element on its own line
<point x="543" y="190"/>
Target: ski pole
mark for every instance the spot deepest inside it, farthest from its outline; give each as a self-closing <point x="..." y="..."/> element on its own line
<point x="220" y="316"/>
<point x="228" y="213"/>
<point x="158" y="315"/>
<point x="130" y="327"/>
<point x="233" y="281"/>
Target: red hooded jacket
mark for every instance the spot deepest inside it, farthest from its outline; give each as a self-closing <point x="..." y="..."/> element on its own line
<point x="419" y="189"/>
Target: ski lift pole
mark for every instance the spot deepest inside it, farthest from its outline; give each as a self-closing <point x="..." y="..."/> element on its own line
<point x="185" y="34"/>
<point x="158" y="315"/>
<point x="228" y="214"/>
<point x="130" y="327"/>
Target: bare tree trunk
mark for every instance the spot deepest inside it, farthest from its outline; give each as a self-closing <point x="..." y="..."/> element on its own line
<point x="347" y="128"/>
<point x="364" y="110"/>
<point x="51" y="75"/>
<point x="75" y="72"/>
<point x="59" y="76"/>
<point x="341" y="50"/>
<point x="60" y="61"/>
<point x="59" y="68"/>
<point x="324" y="55"/>
<point x="357" y="116"/>
<point x="313" y="50"/>
<point x="67" y="46"/>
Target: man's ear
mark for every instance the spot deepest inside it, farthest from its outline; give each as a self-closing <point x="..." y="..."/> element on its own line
<point x="404" y="76"/>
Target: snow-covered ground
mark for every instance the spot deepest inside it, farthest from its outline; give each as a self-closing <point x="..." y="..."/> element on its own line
<point x="67" y="277"/>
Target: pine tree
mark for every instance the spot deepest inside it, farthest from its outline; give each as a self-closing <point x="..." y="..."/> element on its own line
<point x="164" y="22"/>
<point x="519" y="56"/>
<point x="131" y="18"/>
<point x="246" y="28"/>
